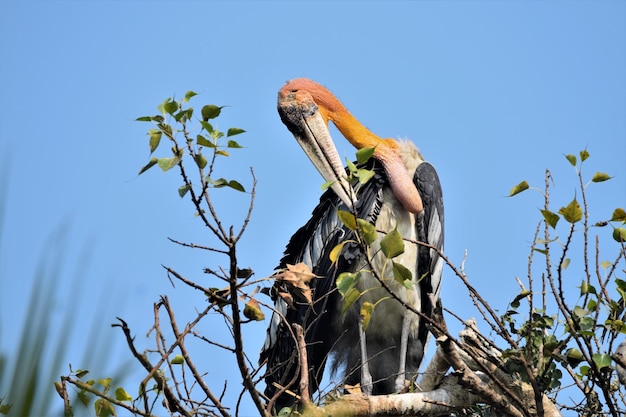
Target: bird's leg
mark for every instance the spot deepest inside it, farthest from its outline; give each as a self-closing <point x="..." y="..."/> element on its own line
<point x="404" y="342"/>
<point x="366" y="377"/>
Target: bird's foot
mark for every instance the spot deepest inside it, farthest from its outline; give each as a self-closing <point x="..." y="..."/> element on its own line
<point x="402" y="384"/>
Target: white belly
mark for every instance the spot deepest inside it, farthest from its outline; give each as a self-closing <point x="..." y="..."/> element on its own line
<point x="389" y="313"/>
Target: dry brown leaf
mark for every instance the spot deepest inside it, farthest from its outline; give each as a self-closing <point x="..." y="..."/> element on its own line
<point x="353" y="389"/>
<point x="302" y="271"/>
<point x="296" y="280"/>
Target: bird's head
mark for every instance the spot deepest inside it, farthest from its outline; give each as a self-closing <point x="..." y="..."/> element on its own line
<point x="306" y="107"/>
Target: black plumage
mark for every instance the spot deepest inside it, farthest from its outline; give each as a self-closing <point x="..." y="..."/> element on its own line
<point x="327" y="330"/>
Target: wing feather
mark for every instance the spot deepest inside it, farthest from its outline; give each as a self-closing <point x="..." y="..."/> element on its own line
<point x="430" y="264"/>
<point x="312" y="244"/>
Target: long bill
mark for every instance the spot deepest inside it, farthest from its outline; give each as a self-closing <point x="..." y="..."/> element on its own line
<point x="306" y="107"/>
<point x="302" y="117"/>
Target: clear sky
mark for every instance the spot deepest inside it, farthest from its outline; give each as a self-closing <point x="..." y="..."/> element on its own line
<point x="491" y="92"/>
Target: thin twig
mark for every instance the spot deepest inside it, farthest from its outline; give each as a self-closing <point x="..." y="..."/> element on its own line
<point x="305" y="397"/>
<point x="180" y="340"/>
<point x="152" y="372"/>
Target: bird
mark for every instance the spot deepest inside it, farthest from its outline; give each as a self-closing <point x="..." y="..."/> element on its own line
<point x="404" y="194"/>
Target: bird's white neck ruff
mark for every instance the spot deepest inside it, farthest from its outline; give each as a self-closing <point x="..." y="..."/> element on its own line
<point x="411" y="156"/>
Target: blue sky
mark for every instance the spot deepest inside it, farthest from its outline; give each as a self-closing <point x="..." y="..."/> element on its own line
<point x="491" y="92"/>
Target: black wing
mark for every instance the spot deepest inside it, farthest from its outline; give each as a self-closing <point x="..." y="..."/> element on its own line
<point x="430" y="230"/>
<point x="312" y="245"/>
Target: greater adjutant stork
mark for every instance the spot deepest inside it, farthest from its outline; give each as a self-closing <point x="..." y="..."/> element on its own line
<point x="405" y="194"/>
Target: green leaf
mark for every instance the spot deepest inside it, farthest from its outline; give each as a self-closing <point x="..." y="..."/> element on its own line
<point x="161" y="108"/>
<point x="364" y="175"/>
<point x="286" y="412"/>
<point x="548" y="322"/>
<point x="592" y="305"/>
<point x="105" y="382"/>
<point x="616" y="326"/>
<point x="222" y="152"/>
<point x="515" y="303"/>
<point x="621" y="291"/>
<point x="83" y="398"/>
<point x="122" y="395"/>
<point x="619" y="234"/>
<point x="236" y="186"/>
<point x="336" y="251"/>
<point x="579" y="311"/>
<point x="103" y="408"/>
<point x="551" y="218"/>
<point x="350" y="298"/>
<point x="167" y="129"/>
<point x="587" y="324"/>
<point x="519" y="188"/>
<point x="584" y="155"/>
<point x="368" y="231"/>
<point x="600" y="177"/>
<point x="200" y="160"/>
<point x="574" y="357"/>
<point x="210" y="111"/>
<point x="144" y="119"/>
<point x="220" y="182"/>
<point x="392" y="244"/>
<point x="619" y="215"/>
<point x="602" y="360"/>
<point x="347" y="218"/>
<point x="586" y="288"/>
<point x="202" y="141"/>
<point x="216" y="135"/>
<point x="182" y="190"/>
<point x="233" y="144"/>
<point x="207" y="126"/>
<point x="327" y="185"/>
<point x="183" y="115"/>
<point x="168" y="163"/>
<point x="234" y="131"/>
<point x="155" y="139"/>
<point x="572" y="213"/>
<point x="346" y="281"/>
<point x="366" y="314"/>
<point x="351" y="167"/>
<point x="364" y="154"/>
<point x="81" y="373"/>
<point x="253" y="311"/>
<point x="169" y="106"/>
<point x="189" y="95"/>
<point x="571" y="159"/>
<point x="565" y="263"/>
<point x="402" y="274"/>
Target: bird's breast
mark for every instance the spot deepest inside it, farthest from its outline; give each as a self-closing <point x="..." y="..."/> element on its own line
<point x="388" y="313"/>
